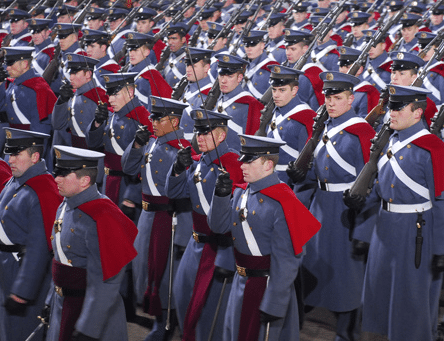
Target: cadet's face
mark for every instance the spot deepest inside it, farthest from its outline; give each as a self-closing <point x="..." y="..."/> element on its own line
<point x="96" y="50"/>
<point x="164" y="125"/>
<point x="67" y="42"/>
<point x="79" y="78"/>
<point x="324" y="3"/>
<point x="17" y="27"/>
<point x="17" y="69"/>
<point x="95" y="24"/>
<point x="40" y="37"/>
<point x="64" y="19"/>
<point x="338" y="104"/>
<point x="69" y="185"/>
<point x="408" y="33"/>
<point x="228" y="83"/>
<point x="276" y="30"/>
<point x="119" y="100"/>
<point x="404" y="118"/>
<point x="206" y="142"/>
<point x="20" y="163"/>
<point x="436" y="19"/>
<point x="204" y="24"/>
<point x="144" y="26"/>
<point x="255" y="170"/>
<point x="219" y="44"/>
<point x="282" y="95"/>
<point x="239" y="27"/>
<point x="175" y="42"/>
<point x="115" y="23"/>
<point x="402" y="77"/>
<point x="357" y="30"/>
<point x="294" y="52"/>
<point x="376" y="51"/>
<point x="136" y="56"/>
<point x="299" y="17"/>
<point x="197" y="71"/>
<point x="254" y="51"/>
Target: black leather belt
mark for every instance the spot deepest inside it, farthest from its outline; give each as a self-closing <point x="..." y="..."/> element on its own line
<point x="251" y="272"/>
<point x="219" y="239"/>
<point x="12" y="248"/>
<point x="176" y="205"/>
<point x="69" y="292"/>
<point x="113" y="172"/>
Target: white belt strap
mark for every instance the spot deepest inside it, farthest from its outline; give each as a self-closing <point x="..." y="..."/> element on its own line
<point x="227" y="103"/>
<point x="5" y="240"/>
<point x="250" y="73"/>
<point x="37" y="67"/>
<point x="374" y="76"/>
<point x="117" y="148"/>
<point x="286" y="148"/>
<point x="295" y="110"/>
<point x="149" y="176"/>
<point x="76" y="126"/>
<point x="200" y="193"/>
<point x="22" y="118"/>
<point x="141" y="97"/>
<point x="432" y="88"/>
<point x="318" y="56"/>
<point x="174" y="69"/>
<point x="249" y="237"/>
<point x="329" y="187"/>
<point x="403" y="208"/>
<point x="59" y="250"/>
<point x="256" y="93"/>
<point x="189" y="95"/>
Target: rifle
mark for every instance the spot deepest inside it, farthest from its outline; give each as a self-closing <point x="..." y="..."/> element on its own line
<point x="195" y="36"/>
<point x="53" y="9"/>
<point x="425" y="18"/>
<point x="267" y="97"/>
<point x="6" y="10"/>
<point x="53" y="66"/>
<point x="82" y="14"/>
<point x="433" y="42"/>
<point x="275" y="7"/>
<point x="33" y="9"/>
<point x="438" y="55"/>
<point x="289" y="20"/>
<point x="437" y="122"/>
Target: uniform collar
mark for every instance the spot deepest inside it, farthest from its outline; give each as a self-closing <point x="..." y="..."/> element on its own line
<point x="88" y="194"/>
<point x="266" y="182"/>
<point x="38" y="169"/>
<point x="178" y="134"/>
<point x="341" y="119"/>
<point x="211" y="156"/>
<point x="407" y="132"/>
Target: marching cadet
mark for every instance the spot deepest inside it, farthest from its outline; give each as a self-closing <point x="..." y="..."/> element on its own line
<point x="332" y="278"/>
<point x="19" y="28"/>
<point x="144" y="25"/>
<point x="117" y="17"/>
<point x="208" y="262"/>
<point x="408" y="32"/>
<point x="240" y="105"/>
<point x="406" y="255"/>
<point x="93" y="243"/>
<point x="300" y="15"/>
<point x="38" y="12"/>
<point x="257" y="72"/>
<point x="73" y="112"/>
<point x="44" y="48"/>
<point x="152" y="157"/>
<point x="65" y="14"/>
<point x="342" y="26"/>
<point x="199" y="85"/>
<point x="148" y="81"/>
<point x="175" y="68"/>
<point x="239" y="26"/>
<point x="219" y="47"/>
<point x="310" y="85"/>
<point x="437" y="19"/>
<point x="28" y="100"/>
<point x="273" y="227"/>
<point x="275" y="30"/>
<point x="29" y="203"/>
<point x="95" y="19"/>
<point x="359" y="22"/>
<point x="366" y="95"/>
<point x="375" y="74"/>
<point x="206" y="15"/>
<point x="96" y="44"/>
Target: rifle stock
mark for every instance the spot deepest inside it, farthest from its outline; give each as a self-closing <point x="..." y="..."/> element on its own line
<point x="437" y="122"/>
<point x="373" y="117"/>
<point x="53" y="66"/>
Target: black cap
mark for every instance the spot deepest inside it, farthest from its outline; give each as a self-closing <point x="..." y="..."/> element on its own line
<point x="254" y="147"/>
<point x="161" y="107"/>
<point x="18" y="140"/>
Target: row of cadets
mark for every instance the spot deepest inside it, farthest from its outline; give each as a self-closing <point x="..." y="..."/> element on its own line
<point x="234" y="101"/>
<point x="332" y="278"/>
<point x="208" y="262"/>
<point x="198" y="87"/>
<point x="359" y="23"/>
<point x="152" y="156"/>
<point x="257" y="72"/>
<point x="148" y="80"/>
<point x="27" y="101"/>
<point x="175" y="67"/>
<point x="269" y="227"/>
<point x="29" y="203"/>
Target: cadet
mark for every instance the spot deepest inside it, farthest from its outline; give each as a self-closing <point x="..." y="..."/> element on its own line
<point x="359" y="22"/>
<point x="276" y="35"/>
<point x="75" y="115"/>
<point x="403" y="273"/>
<point x="239" y="26"/>
<point x="152" y="158"/>
<point x="44" y="48"/>
<point x="332" y="278"/>
<point x="300" y="15"/>
<point x="269" y="227"/>
<point x="208" y="261"/>
<point x="29" y="203"/>
<point x="206" y="15"/>
<point x="148" y="81"/>
<point x="240" y="105"/>
<point x="408" y="31"/>
<point x="175" y="68"/>
<point x="93" y="243"/>
<point x="117" y="17"/>
<point x="95" y="19"/>
<point x="199" y="85"/>
<point x="436" y="19"/>
<point x="19" y="28"/>
<point x="219" y="47"/>
<point x="144" y="25"/>
<point x="324" y="53"/>
<point x="65" y="14"/>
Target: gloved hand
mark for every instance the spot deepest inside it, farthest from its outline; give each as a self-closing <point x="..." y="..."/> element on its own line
<point x="183" y="160"/>
<point x="438" y="263"/>
<point x="3" y="74"/>
<point x="65" y="92"/>
<point x="101" y="113"/>
<point x="130" y="212"/>
<point x="355" y="202"/>
<point x="15" y="308"/>
<point x="265" y="318"/>
<point x="142" y="136"/>
<point x="78" y="336"/>
<point x="295" y="174"/>
<point x="45" y="314"/>
<point x="359" y="248"/>
<point x="223" y="185"/>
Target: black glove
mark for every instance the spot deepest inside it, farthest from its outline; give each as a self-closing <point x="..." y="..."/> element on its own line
<point x="223" y="273"/>
<point x="359" y="247"/>
<point x="223" y="185"/>
<point x="142" y="136"/>
<point x="438" y="263"/>
<point x="65" y="92"/>
<point x="15" y="308"/>
<point x="101" y="113"/>
<point x="130" y="212"/>
<point x="295" y="174"/>
<point x="3" y="74"/>
<point x="265" y="318"/>
<point x="355" y="202"/>
<point x="78" y="336"/>
<point x="46" y="311"/>
<point x="183" y="160"/>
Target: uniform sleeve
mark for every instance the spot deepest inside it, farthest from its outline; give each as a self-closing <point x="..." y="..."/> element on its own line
<point x="132" y="159"/>
<point x="94" y="136"/>
<point x="59" y="117"/>
<point x="219" y="216"/>
<point x="283" y="269"/>
<point x="176" y="187"/>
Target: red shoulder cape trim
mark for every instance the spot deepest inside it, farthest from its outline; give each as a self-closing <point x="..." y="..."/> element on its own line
<point x="114" y="68"/>
<point x="50" y="199"/>
<point x="266" y="66"/>
<point x="96" y="95"/>
<point x="185" y="144"/>
<point x="305" y="117"/>
<point x="372" y="96"/>
<point x="337" y="38"/>
<point x="365" y="133"/>
<point x="159" y="86"/>
<point x="116" y="233"/>
<point x="232" y="166"/>
<point x="312" y="73"/>
<point x="430" y="111"/>
<point x="439" y="69"/>
<point x="254" y="114"/>
<point x="44" y="95"/>
<point x="5" y="174"/>
<point x="141" y="115"/>
<point x="50" y="52"/>
<point x="158" y="48"/>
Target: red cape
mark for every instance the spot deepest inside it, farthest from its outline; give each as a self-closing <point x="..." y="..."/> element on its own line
<point x="254" y="113"/>
<point x="365" y="133"/>
<point x="50" y="199"/>
<point x="50" y="52"/>
<point x="430" y="111"/>
<point x="435" y="146"/>
<point x="185" y="144"/>
<point x="158" y="48"/>
<point x="116" y="233"/>
<point x="337" y="38"/>
<point x="305" y="117"/>
<point x="312" y="73"/>
<point x="45" y="97"/>
<point x="439" y="69"/>
<point x="5" y="174"/>
<point x="97" y="95"/>
<point x="113" y="67"/>
<point x="302" y="225"/>
<point x="141" y="115"/>
<point x="266" y="66"/>
<point x="159" y="86"/>
<point x="372" y="96"/>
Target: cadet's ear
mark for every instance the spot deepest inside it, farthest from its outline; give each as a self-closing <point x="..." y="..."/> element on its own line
<point x="85" y="181"/>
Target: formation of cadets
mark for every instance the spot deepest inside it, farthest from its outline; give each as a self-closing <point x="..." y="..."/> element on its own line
<point x="226" y="165"/>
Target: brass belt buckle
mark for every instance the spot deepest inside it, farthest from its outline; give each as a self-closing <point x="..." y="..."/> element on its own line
<point x="106" y="170"/>
<point x="57" y="225"/>
<point x="197" y="177"/>
<point x="145" y="205"/>
<point x="196" y="237"/>
<point x="58" y="290"/>
<point x="243" y="214"/>
<point x="389" y="153"/>
<point x="241" y="271"/>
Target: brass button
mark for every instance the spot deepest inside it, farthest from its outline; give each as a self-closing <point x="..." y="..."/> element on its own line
<point x="234" y="224"/>
<point x="261" y="200"/>
<point x="14" y="195"/>
<point x="326" y="168"/>
<point x="72" y="230"/>
<point x="390" y="200"/>
<point x="197" y="206"/>
<point x="409" y="146"/>
<point x="6" y="207"/>
<point x="237" y="208"/>
<point x="68" y="246"/>
<point x="52" y="237"/>
<point x="392" y="186"/>
<point x="204" y="180"/>
<point x="401" y="157"/>
<point x="212" y="169"/>
<point x="69" y="261"/>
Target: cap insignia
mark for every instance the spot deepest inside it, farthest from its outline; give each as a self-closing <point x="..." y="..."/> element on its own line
<point x="213" y="26"/>
<point x="33" y="22"/>
<point x="92" y="10"/>
<point x="400" y="55"/>
<point x="242" y="141"/>
<point x="343" y="50"/>
<point x="393" y="3"/>
<point x="392" y="90"/>
<point x="414" y="3"/>
<point x="199" y="115"/>
<point x="317" y="10"/>
<point x="423" y="35"/>
<point x="277" y="69"/>
<point x="69" y="57"/>
<point x="111" y="11"/>
<point x="106" y="78"/>
<point x="287" y="32"/>
<point x="153" y="101"/>
<point x="86" y="32"/>
<point x="355" y="15"/>
<point x="226" y="59"/>
<point x="59" y="27"/>
<point x="329" y="76"/>
<point x="405" y="16"/>
<point x="12" y="12"/>
<point x="369" y="34"/>
<point x="130" y="36"/>
<point x="140" y="10"/>
<point x="57" y="153"/>
<point x="8" y="134"/>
